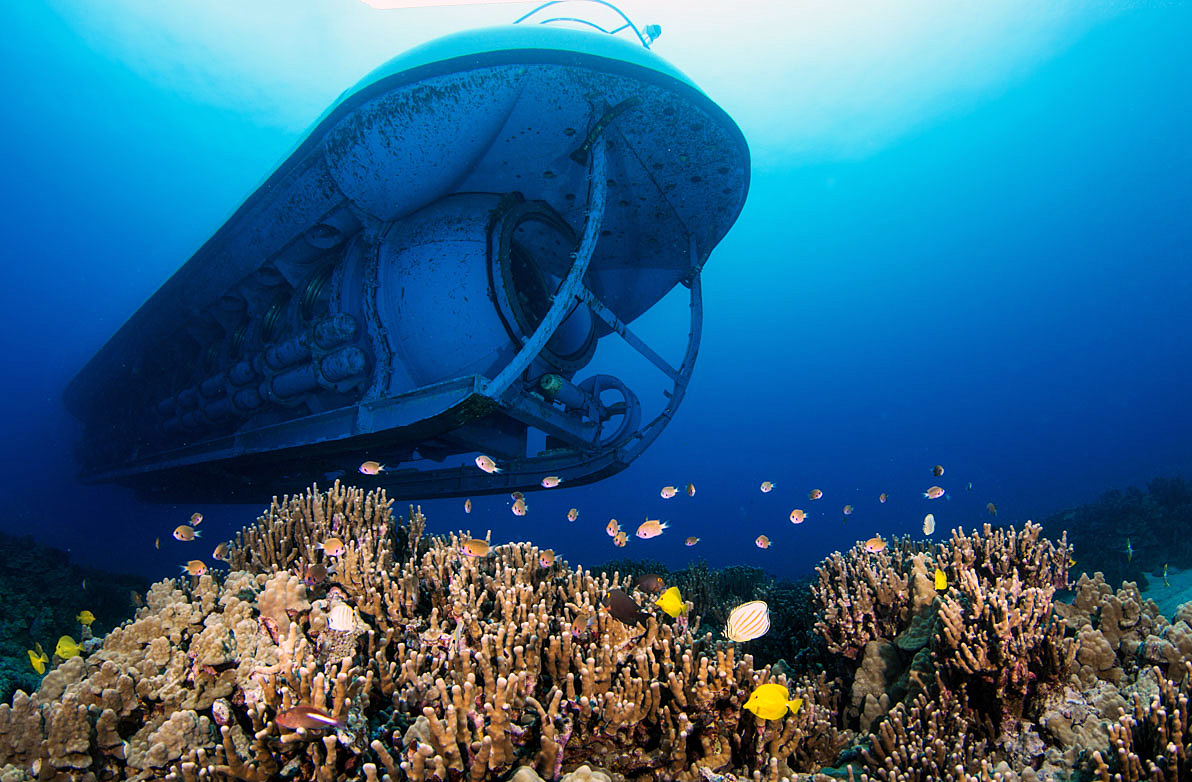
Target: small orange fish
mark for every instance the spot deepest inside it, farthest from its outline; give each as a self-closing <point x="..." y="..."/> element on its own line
<point x="937" y="470"/>
<point x="814" y="494"/>
<point x="372" y="468"/>
<point x="185" y="532"/>
<point x="517" y="495"/>
<point x="487" y="464"/>
<point x="551" y="481"/>
<point x="573" y="514"/>
<point x="196" y="518"/>
<point x="474" y="547"/>
<point x="762" y="542"/>
<point x="691" y="490"/>
<point x="848" y="510"/>
<point x="650" y="528"/>
<point x="612" y="528"/>
<point x="991" y="508"/>
<point x="157" y="543"/>
<point x="546" y="558"/>
<point x="308" y="717"/>
<point x="221" y="552"/>
<point x="582" y="625"/>
<point x="315" y="574"/>
<point x="520" y="507"/>
<point x="875" y="545"/>
<point x="620" y="539"/>
<point x="691" y="541"/>
<point x="333" y="547"/>
<point x="798" y="516"/>
<point x="194" y="567"/>
<point x="882" y="497"/>
<point x="668" y="492"/>
<point x="767" y="487"/>
<point x="934" y="493"/>
<point x="468" y="505"/>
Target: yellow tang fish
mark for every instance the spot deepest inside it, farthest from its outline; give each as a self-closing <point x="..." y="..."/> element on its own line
<point x="671" y="602"/>
<point x="941" y="580"/>
<point x="67" y="648"/>
<point x="38" y="658"/>
<point x="85" y="617"/>
<point x="772" y="701"/>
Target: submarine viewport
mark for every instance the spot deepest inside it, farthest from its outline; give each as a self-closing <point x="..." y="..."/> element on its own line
<point x="427" y="277"/>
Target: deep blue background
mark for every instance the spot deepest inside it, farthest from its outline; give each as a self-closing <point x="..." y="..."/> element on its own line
<point x="1004" y="291"/>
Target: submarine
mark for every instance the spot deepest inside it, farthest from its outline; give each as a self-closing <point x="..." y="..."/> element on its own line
<point x="427" y="278"/>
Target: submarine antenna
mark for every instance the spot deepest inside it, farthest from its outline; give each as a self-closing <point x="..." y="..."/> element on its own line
<point x="652" y="31"/>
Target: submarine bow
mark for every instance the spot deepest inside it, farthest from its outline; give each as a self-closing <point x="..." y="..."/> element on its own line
<point x="427" y="277"/>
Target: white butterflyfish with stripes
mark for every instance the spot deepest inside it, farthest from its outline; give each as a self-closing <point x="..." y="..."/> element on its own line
<point x="748" y="621"/>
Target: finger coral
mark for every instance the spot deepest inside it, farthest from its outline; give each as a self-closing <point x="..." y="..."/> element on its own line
<point x="429" y="665"/>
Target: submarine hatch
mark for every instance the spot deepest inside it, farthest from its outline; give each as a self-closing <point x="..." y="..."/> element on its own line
<point x="427" y="277"/>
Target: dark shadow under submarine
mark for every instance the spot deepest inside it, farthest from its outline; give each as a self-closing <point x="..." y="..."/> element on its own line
<point x="426" y="277"/>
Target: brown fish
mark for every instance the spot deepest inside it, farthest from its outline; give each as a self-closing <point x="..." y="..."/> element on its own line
<point x="185" y="532"/>
<point x="315" y="574"/>
<point x="194" y="567"/>
<point x="474" y="547"/>
<point x="308" y="717"/>
<point x="991" y="508"/>
<point x="371" y="468"/>
<point x="333" y="547"/>
<point x="937" y="470"/>
<point x="196" y="518"/>
<point x="221" y="552"/>
<point x="582" y="625"/>
<point x="650" y="582"/>
<point x="814" y="494"/>
<point x="624" y="608"/>
<point x="934" y="493"/>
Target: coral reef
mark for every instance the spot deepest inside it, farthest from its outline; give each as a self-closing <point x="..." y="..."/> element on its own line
<point x="454" y="667"/>
<point x="420" y="661"/>
<point x="1152" y="522"/>
<point x="42" y="593"/>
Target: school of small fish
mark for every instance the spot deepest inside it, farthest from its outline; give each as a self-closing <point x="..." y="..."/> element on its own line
<point x="647" y="530"/>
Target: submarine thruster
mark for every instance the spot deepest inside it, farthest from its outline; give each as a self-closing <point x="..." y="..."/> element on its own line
<point x="427" y="278"/>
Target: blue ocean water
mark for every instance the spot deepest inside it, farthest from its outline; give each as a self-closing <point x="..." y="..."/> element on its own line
<point x="967" y="242"/>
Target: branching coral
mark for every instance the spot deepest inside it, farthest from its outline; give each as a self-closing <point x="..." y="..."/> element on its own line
<point x="435" y="666"/>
